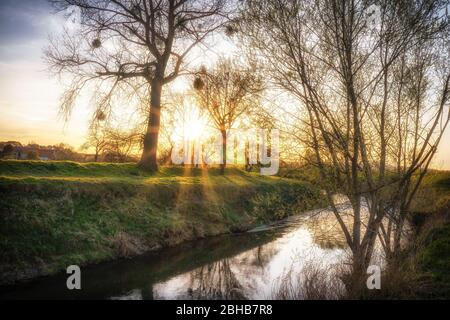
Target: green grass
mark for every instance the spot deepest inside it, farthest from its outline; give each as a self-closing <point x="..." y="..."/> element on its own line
<point x="435" y="259"/>
<point x="433" y="201"/>
<point x="53" y="214"/>
<point x="433" y="193"/>
<point x="129" y="173"/>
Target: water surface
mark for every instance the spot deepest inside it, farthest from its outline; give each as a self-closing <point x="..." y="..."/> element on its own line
<point x="245" y="266"/>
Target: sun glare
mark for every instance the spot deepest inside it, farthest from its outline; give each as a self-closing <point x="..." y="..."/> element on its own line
<point x="190" y="124"/>
<point x="194" y="129"/>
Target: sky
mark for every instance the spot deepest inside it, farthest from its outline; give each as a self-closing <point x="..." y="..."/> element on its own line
<point x="29" y="95"/>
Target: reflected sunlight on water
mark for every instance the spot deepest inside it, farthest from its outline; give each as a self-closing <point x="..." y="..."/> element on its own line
<point x="254" y="273"/>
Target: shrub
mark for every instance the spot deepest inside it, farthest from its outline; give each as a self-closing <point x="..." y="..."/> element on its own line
<point x="33" y="155"/>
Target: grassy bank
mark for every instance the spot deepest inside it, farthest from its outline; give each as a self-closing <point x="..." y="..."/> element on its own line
<point x="434" y="192"/>
<point x="53" y="214"/>
<point x="431" y="243"/>
<point x="421" y="270"/>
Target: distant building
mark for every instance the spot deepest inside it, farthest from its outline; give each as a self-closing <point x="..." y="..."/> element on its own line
<point x="13" y="150"/>
<point x="45" y="154"/>
<point x="21" y="152"/>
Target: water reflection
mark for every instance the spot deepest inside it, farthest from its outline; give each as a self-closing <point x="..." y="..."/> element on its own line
<point x="213" y="281"/>
<point x="254" y="273"/>
<point x="230" y="267"/>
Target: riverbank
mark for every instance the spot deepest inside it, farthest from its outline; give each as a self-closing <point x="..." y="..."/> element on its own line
<point x="420" y="270"/>
<point x="426" y="259"/>
<point x="54" y="214"/>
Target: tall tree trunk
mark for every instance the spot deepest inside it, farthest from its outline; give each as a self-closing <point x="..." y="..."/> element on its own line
<point x="355" y="281"/>
<point x="193" y="164"/>
<point x="149" y="154"/>
<point x="224" y="152"/>
<point x="203" y="157"/>
<point x="398" y="233"/>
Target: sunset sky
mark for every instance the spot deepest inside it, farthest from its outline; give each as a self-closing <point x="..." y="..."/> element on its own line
<point x="29" y="95"/>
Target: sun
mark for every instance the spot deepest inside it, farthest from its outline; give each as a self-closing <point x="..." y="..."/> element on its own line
<point x="194" y="128"/>
<point x="190" y="125"/>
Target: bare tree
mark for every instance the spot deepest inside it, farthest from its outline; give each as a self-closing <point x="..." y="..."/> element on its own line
<point x="96" y="139"/>
<point x="415" y="133"/>
<point x="226" y="93"/>
<point x="341" y="67"/>
<point x="121" y="145"/>
<point x="174" y="117"/>
<point x="123" y="44"/>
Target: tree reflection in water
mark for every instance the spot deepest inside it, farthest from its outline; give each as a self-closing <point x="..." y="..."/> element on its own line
<point x="218" y="280"/>
<point x="215" y="281"/>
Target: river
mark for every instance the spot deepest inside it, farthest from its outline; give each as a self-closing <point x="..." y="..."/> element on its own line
<point x="252" y="265"/>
